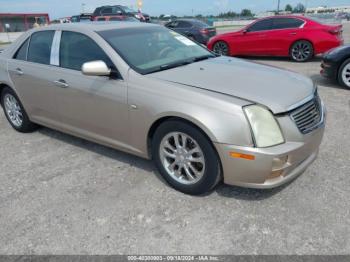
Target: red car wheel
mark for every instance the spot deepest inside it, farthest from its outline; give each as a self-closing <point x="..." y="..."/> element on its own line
<point x="221" y="48"/>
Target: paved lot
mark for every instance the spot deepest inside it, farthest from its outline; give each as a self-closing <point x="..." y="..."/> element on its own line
<point x="63" y="195"/>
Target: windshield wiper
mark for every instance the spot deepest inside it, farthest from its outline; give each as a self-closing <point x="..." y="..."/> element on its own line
<point x="170" y="66"/>
<point x="180" y="63"/>
<point x="201" y="58"/>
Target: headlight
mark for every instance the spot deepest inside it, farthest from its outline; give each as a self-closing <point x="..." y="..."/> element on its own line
<point x="265" y="129"/>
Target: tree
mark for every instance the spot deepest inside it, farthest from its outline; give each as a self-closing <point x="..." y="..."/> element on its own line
<point x="300" y="8"/>
<point x="228" y="14"/>
<point x="246" y="12"/>
<point x="288" y="8"/>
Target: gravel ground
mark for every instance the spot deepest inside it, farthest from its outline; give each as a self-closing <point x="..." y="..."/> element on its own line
<point x="63" y="195"/>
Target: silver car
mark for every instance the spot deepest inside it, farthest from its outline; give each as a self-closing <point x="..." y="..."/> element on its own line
<point x="149" y="91"/>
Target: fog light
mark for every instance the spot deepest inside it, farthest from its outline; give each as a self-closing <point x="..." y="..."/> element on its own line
<point x="279" y="163"/>
<point x="275" y="174"/>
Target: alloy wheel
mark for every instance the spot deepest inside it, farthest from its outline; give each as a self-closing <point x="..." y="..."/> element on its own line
<point x="345" y="74"/>
<point x="182" y="158"/>
<point x="13" y="110"/>
<point x="221" y="48"/>
<point x="301" y="51"/>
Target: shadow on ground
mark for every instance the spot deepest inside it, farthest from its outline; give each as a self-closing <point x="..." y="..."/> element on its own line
<point x="147" y="165"/>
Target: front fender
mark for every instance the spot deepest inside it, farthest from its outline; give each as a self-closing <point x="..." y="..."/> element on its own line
<point x="219" y="116"/>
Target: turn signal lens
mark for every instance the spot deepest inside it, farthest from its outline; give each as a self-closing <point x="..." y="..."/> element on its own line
<point x="243" y="156"/>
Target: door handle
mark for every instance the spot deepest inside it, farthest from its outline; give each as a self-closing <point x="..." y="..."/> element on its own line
<point x="19" y="71"/>
<point x="293" y="33"/>
<point x="61" y="83"/>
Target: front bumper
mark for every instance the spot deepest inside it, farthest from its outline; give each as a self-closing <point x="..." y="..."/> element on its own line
<point x="329" y="70"/>
<point x="262" y="172"/>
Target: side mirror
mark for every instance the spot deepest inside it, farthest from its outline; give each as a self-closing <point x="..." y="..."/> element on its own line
<point x="96" y="68"/>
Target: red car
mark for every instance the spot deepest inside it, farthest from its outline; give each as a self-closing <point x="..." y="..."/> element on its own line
<point x="295" y="36"/>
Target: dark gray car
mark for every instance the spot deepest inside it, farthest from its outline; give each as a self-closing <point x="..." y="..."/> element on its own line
<point x="194" y="29"/>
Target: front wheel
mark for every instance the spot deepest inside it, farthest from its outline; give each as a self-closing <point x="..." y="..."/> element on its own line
<point x="15" y="113"/>
<point x="344" y="74"/>
<point x="302" y="51"/>
<point x="221" y="48"/>
<point x="185" y="158"/>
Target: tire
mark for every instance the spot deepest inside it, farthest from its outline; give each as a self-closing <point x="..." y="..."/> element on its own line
<point x="15" y="113"/>
<point x="344" y="74"/>
<point x="221" y="48"/>
<point x="195" y="178"/>
<point x="301" y="51"/>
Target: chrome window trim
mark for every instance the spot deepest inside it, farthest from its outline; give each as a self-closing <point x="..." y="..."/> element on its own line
<point x="55" y="59"/>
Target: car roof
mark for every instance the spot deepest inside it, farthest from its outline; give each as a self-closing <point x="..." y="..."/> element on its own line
<point x="286" y="16"/>
<point x="95" y="26"/>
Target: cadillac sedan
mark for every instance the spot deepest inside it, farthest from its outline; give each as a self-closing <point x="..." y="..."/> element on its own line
<point x="152" y="92"/>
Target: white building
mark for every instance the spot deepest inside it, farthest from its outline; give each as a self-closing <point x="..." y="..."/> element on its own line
<point x="328" y="9"/>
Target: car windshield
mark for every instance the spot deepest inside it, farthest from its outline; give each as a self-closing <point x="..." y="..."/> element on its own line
<point x="153" y="49"/>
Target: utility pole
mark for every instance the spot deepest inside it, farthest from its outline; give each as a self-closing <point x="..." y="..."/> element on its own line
<point x="83" y="8"/>
<point x="278" y="7"/>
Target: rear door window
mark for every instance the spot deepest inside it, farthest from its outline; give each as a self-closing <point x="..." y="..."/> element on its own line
<point x="286" y="23"/>
<point x="107" y="11"/>
<point x="21" y="53"/>
<point x="40" y="47"/>
<point x="262" y="25"/>
<point x="77" y="49"/>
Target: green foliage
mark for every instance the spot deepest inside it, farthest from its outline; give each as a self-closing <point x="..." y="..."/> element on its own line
<point x="288" y="8"/>
<point x="300" y="8"/>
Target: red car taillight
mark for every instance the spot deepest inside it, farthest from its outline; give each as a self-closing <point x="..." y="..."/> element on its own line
<point x="204" y="31"/>
<point x="337" y="31"/>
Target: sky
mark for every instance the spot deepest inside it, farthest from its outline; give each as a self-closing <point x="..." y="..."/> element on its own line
<point x="62" y="8"/>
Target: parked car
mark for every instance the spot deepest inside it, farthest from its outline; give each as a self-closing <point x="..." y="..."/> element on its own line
<point x="115" y="18"/>
<point x="336" y="65"/>
<point x="84" y="17"/>
<point x="152" y="92"/>
<point x="194" y="29"/>
<point x="298" y="37"/>
<point x="120" y="10"/>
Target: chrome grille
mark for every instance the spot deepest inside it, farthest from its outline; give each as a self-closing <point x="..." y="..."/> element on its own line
<point x="309" y="116"/>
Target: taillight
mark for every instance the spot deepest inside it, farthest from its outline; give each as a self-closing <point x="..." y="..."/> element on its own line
<point x="204" y="31"/>
<point x="335" y="31"/>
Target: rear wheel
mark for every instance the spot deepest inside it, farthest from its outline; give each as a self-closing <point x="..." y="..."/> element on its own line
<point x="302" y="51"/>
<point x="185" y="158"/>
<point x="221" y="48"/>
<point x="15" y="112"/>
<point x="344" y="74"/>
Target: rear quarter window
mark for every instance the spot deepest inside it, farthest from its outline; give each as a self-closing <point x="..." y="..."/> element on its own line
<point x="21" y="53"/>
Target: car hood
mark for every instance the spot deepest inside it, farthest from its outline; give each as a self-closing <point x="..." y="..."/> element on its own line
<point x="278" y="89"/>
